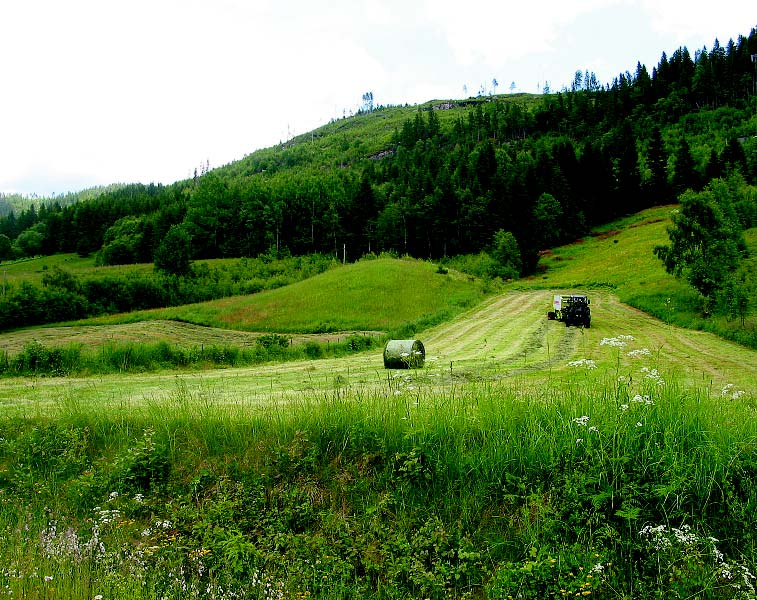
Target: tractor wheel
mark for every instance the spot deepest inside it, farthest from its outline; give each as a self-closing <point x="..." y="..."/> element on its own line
<point x="587" y="323"/>
<point x="551" y="315"/>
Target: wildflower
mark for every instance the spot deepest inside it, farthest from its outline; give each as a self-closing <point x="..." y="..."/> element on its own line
<point x="615" y="342"/>
<point x="638" y="424"/>
<point x="592" y="428"/>
<point x="639" y="352"/>
<point x="624" y="407"/>
<point x="583" y="362"/>
<point x="654" y="375"/>
<point x="639" y="399"/>
<point x="728" y="391"/>
<point x="139" y="498"/>
<point x="579" y="441"/>
<point x="48" y="577"/>
<point x="581" y="421"/>
<point x="112" y="496"/>
<point x="598" y="568"/>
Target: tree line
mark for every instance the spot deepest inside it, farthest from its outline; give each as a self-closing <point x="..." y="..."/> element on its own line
<point x="545" y="174"/>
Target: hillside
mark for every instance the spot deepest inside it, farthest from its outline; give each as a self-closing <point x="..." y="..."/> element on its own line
<point x="490" y="181"/>
<point x="379" y="295"/>
<point x="388" y="295"/>
<point x="442" y="178"/>
<point x="194" y="402"/>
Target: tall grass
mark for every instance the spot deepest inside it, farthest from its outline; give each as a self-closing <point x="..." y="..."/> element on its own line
<point x="422" y="489"/>
<point x="127" y="357"/>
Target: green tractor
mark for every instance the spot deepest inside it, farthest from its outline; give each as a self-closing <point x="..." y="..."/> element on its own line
<point x="572" y="309"/>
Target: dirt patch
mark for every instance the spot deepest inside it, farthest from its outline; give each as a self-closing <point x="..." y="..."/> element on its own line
<point x="603" y="235"/>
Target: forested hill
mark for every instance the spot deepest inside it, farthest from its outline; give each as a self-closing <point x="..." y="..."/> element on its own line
<point x="442" y="178"/>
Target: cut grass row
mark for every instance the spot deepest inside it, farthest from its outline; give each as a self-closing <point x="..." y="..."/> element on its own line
<point x="620" y="258"/>
<point x="505" y="338"/>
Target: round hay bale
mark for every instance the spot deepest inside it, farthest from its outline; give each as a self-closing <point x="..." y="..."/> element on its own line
<point x="404" y="354"/>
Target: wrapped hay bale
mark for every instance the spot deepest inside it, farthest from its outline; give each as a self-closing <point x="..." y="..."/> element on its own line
<point x="404" y="354"/>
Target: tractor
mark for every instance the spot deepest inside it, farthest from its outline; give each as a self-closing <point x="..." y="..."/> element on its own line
<point x="572" y="309"/>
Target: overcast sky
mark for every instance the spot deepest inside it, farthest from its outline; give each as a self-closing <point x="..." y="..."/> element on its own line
<point x="94" y="92"/>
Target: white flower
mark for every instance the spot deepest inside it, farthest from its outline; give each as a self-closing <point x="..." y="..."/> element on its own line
<point x="581" y="421"/>
<point x="639" y="399"/>
<point x="624" y="407"/>
<point x="653" y="374"/>
<point x="728" y="391"/>
<point x="639" y="352"/>
<point x="638" y="424"/>
<point x="112" y="496"/>
<point x="583" y="362"/>
<point x="612" y="342"/>
<point x="580" y="441"/>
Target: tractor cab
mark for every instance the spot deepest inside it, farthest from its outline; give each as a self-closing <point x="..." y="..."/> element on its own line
<point x="572" y="309"/>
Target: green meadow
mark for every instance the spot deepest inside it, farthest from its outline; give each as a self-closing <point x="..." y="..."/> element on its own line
<point x="381" y="294"/>
<point x="525" y="459"/>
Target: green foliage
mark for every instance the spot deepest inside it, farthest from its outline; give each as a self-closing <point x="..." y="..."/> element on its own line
<point x="705" y="240"/>
<point x="560" y="572"/>
<point x="142" y="466"/>
<point x="124" y="243"/>
<point x="548" y="219"/>
<point x="506" y="253"/>
<point x="174" y="252"/>
<point x="5" y="247"/>
<point x="82" y="292"/>
<point x="441" y="179"/>
<point x="361" y="495"/>
<point x="272" y="340"/>
<point x="29" y="242"/>
<point x="36" y="359"/>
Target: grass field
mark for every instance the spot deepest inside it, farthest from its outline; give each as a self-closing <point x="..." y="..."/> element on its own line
<point x="525" y="459"/>
<point x="32" y="269"/>
<point x="377" y="295"/>
<point x="506" y="337"/>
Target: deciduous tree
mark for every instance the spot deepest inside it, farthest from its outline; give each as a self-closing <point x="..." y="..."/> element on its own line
<point x="705" y="243"/>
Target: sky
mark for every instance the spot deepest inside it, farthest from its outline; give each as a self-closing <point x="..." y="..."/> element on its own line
<point x="94" y="92"/>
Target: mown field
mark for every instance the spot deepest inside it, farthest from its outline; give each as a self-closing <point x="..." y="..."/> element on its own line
<point x="525" y="460"/>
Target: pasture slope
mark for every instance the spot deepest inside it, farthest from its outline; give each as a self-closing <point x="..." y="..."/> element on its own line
<point x="506" y="337"/>
<point x="468" y="336"/>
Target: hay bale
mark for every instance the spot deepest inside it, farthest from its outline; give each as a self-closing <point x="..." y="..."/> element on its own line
<point x="404" y="354"/>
